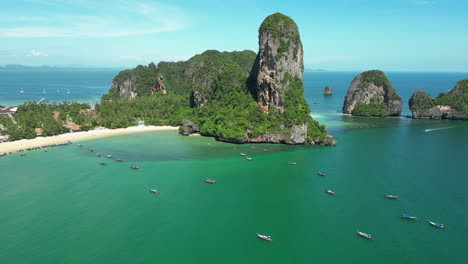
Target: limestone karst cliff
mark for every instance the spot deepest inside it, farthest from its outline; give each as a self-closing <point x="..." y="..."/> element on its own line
<point x="372" y="94"/>
<point x="234" y="96"/>
<point x="451" y="105"/>
<point x="279" y="60"/>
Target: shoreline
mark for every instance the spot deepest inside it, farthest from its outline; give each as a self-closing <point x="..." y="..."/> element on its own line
<point x="24" y="144"/>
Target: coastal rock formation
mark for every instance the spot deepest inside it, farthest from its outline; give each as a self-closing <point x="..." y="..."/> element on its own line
<point x="327" y="90"/>
<point x="188" y="127"/>
<point x="235" y="96"/>
<point x="372" y="94"/>
<point x="452" y="105"/>
<point x="279" y="59"/>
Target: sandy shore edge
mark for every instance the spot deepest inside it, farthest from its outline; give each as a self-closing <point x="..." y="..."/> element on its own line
<point x="63" y="138"/>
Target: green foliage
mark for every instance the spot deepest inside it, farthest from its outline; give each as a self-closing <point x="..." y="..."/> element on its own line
<point x="371" y="109"/>
<point x="379" y="78"/>
<point x="283" y="48"/>
<point x="457" y="98"/>
<point x="276" y="24"/>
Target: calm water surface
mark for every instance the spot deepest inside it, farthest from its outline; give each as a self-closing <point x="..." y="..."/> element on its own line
<point x="63" y="207"/>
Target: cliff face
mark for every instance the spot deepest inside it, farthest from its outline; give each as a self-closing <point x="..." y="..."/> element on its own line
<point x="372" y="94"/>
<point x="234" y="96"/>
<point x="452" y="105"/>
<point x="280" y="55"/>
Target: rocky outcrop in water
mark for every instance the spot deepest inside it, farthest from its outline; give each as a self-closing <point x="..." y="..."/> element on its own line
<point x="327" y="90"/>
<point x="280" y="58"/>
<point x="372" y="94"/>
<point x="452" y="105"/>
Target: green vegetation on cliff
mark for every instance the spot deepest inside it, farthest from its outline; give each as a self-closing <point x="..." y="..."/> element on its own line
<point x="457" y="99"/>
<point x="270" y="24"/>
<point x="380" y="79"/>
<point x="372" y="109"/>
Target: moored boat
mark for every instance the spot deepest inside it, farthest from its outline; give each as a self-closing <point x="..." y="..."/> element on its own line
<point x="135" y="167"/>
<point x="264" y="237"/>
<point x="209" y="181"/>
<point x="91" y="150"/>
<point x="243" y="154"/>
<point x="119" y="160"/>
<point x="249" y="158"/>
<point x="23" y="154"/>
<point x="292" y="163"/>
<point x="154" y="191"/>
<point x="97" y="154"/>
<point x="109" y="156"/>
<point x="364" y="235"/>
<point x="436" y="224"/>
<point x="330" y="192"/>
<point x="102" y="163"/>
<point x="321" y="174"/>
<point x="389" y="196"/>
<point x="405" y="216"/>
<point x="266" y="150"/>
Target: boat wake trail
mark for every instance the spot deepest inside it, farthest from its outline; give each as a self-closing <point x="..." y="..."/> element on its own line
<point x="440" y="128"/>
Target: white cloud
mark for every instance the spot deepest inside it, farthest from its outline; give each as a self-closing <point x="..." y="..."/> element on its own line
<point x="329" y="58"/>
<point x="118" y="20"/>
<point x="36" y="53"/>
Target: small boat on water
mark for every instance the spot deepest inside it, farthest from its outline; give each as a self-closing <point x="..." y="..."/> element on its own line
<point x="436" y="224"/>
<point x="102" y="163"/>
<point x="79" y="145"/>
<point x="46" y="150"/>
<point x="389" y="196"/>
<point x="209" y="181"/>
<point x="267" y="238"/>
<point x="405" y="216"/>
<point x="249" y="158"/>
<point x="23" y="154"/>
<point x="330" y="192"/>
<point x="321" y="174"/>
<point x="153" y="191"/>
<point x="109" y="156"/>
<point x="97" y="154"/>
<point x="243" y="154"/>
<point x="91" y="150"/>
<point x="364" y="235"/>
<point x="292" y="163"/>
<point x="266" y="150"/>
<point x="119" y="160"/>
<point x="135" y="167"/>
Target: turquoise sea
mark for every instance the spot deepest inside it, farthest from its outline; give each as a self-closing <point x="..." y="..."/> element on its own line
<point x="63" y="207"/>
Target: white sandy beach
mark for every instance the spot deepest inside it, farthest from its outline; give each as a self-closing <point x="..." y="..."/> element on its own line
<point x="76" y="136"/>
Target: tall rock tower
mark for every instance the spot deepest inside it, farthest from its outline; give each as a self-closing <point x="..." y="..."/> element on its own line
<point x="279" y="60"/>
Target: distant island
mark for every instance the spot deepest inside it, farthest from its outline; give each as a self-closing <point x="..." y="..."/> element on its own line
<point x="237" y="97"/>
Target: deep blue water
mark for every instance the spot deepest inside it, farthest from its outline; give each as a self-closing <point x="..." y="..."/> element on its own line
<point x="82" y="85"/>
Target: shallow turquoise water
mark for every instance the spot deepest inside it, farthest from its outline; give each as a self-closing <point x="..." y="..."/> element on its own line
<point x="62" y="207"/>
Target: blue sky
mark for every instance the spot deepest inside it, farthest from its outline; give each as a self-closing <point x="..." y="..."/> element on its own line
<point x="391" y="35"/>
